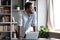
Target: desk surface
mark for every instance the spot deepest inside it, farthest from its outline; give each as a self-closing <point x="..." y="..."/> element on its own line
<point x="54" y="34"/>
<point x="55" y="31"/>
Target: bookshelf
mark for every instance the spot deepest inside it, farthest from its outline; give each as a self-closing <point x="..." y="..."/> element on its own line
<point x="4" y="14"/>
<point x="7" y="21"/>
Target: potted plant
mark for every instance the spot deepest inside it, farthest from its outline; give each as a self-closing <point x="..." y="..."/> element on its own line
<point x="43" y="32"/>
<point x="18" y="6"/>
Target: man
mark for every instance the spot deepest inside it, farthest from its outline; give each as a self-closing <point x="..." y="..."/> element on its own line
<point x="26" y="19"/>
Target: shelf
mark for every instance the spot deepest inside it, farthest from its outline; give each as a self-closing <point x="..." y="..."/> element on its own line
<point x="1" y="7"/>
<point x="32" y="0"/>
<point x="14" y="38"/>
<point x="14" y="10"/>
<point x="5" y="14"/>
<point x="8" y="31"/>
<point x="14" y="22"/>
<point x="5" y="6"/>
<point x="5" y="22"/>
<point x="4" y="31"/>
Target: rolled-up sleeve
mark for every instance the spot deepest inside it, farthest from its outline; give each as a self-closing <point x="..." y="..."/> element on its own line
<point x="20" y="19"/>
<point x="34" y="21"/>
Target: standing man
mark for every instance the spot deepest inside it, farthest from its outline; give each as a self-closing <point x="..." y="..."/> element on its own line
<point x="26" y="19"/>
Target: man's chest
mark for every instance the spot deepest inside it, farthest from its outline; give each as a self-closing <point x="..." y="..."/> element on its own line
<point x="27" y="18"/>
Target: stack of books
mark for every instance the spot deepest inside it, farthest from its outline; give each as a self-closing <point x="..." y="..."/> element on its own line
<point x="6" y="10"/>
<point x="5" y="18"/>
<point x="7" y="28"/>
<point x="4" y="28"/>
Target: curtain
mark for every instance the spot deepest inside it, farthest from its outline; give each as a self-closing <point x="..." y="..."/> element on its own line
<point x="57" y="14"/>
<point x="50" y="15"/>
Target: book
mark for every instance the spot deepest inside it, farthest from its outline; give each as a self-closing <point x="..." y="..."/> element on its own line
<point x="13" y="27"/>
<point x="5" y="18"/>
<point x="8" y="28"/>
<point x="5" y="27"/>
<point x="6" y="10"/>
<point x="1" y="10"/>
<point x="14" y="35"/>
<point x="13" y="19"/>
<point x="1" y="28"/>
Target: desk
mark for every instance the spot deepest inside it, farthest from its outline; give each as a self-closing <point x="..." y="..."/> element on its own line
<point x="54" y="34"/>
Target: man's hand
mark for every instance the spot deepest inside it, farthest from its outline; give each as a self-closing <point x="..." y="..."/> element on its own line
<point x="34" y="29"/>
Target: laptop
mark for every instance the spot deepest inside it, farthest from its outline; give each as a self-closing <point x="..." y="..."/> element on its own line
<point x="32" y="36"/>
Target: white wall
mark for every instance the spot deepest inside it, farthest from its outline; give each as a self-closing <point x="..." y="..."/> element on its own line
<point x="42" y="13"/>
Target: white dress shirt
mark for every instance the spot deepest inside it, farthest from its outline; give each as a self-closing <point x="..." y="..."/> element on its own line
<point x="26" y="21"/>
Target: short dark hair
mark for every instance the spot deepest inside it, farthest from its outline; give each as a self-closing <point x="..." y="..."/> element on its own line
<point x="27" y="5"/>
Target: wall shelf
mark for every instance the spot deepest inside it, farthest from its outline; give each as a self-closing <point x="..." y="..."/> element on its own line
<point x="4" y="31"/>
<point x="5" y="14"/>
<point x="14" y="22"/>
<point x="14" y="10"/>
<point x="5" y="22"/>
<point x="14" y="38"/>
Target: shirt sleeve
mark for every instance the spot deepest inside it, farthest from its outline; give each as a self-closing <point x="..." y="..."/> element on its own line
<point x="34" y="21"/>
<point x="20" y="19"/>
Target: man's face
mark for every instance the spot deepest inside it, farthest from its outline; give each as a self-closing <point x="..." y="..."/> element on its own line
<point x="30" y="9"/>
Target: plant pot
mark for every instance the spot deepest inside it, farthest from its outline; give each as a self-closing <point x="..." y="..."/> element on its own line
<point x="18" y="8"/>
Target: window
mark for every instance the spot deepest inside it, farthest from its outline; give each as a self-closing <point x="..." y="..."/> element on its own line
<point x="53" y="22"/>
<point x="56" y="7"/>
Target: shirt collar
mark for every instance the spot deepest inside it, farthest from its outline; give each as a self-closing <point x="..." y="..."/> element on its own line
<point x="26" y="13"/>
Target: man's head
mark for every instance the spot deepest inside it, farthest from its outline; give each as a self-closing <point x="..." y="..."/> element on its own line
<point x="28" y="6"/>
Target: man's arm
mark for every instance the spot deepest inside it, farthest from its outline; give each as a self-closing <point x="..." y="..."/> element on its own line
<point x="34" y="21"/>
<point x="20" y="26"/>
<point x="20" y="32"/>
